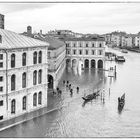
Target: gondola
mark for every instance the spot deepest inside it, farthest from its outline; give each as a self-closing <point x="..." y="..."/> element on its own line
<point x="91" y="96"/>
<point x="121" y="101"/>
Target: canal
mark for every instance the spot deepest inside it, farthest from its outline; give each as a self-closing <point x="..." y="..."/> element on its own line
<point x="99" y="118"/>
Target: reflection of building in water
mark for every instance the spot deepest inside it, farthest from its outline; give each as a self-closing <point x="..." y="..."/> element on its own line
<point x="23" y="71"/>
<point x="88" y="51"/>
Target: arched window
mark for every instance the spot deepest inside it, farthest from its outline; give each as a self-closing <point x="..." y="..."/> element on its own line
<point x="35" y="77"/>
<point x="39" y="76"/>
<point x="35" y="99"/>
<point x="24" y="102"/>
<point x="13" y="82"/>
<point x="24" y="59"/>
<point x="40" y="98"/>
<point x="13" y="106"/>
<point x="100" y="45"/>
<point x="13" y="57"/>
<point x="40" y="57"/>
<point x="35" y="58"/>
<point x="24" y="80"/>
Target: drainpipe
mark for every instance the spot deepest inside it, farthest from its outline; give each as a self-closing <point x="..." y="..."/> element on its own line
<point x="6" y="78"/>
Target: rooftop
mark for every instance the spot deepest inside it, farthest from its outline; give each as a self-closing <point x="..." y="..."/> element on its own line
<point x="53" y="42"/>
<point x="96" y="38"/>
<point x="13" y="40"/>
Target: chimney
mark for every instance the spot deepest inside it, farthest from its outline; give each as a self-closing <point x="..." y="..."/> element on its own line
<point x="1" y="21"/>
<point x="29" y="30"/>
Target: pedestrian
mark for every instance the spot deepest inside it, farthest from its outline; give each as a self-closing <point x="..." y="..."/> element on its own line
<point x="77" y="89"/>
<point x="69" y="86"/>
<point x="64" y="82"/>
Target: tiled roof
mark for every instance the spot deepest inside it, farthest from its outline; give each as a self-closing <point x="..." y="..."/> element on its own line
<point x="13" y="40"/>
<point x="85" y="39"/>
<point x="53" y="42"/>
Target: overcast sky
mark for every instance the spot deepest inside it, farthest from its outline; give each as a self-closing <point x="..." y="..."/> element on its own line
<point x="78" y="17"/>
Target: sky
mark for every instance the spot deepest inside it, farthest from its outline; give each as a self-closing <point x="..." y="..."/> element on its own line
<point x="97" y="18"/>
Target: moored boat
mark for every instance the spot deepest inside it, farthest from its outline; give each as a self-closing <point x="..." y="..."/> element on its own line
<point x="124" y="51"/>
<point x="121" y="101"/>
<point x="120" y="59"/>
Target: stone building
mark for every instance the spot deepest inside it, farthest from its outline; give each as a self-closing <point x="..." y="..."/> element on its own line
<point x="23" y="72"/>
<point x="56" y="59"/>
<point x="85" y="52"/>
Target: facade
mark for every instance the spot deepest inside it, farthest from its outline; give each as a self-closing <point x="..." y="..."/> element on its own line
<point x="23" y="72"/>
<point x="56" y="60"/>
<point x="115" y="40"/>
<point x="1" y="21"/>
<point x="137" y="41"/>
<point x="85" y="52"/>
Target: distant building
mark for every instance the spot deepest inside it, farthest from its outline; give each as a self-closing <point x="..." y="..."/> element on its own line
<point x="88" y="52"/>
<point x="2" y="21"/>
<point x="23" y="74"/>
<point x="137" y="41"/>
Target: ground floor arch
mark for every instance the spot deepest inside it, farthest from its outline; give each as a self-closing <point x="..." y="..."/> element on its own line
<point x="50" y="81"/>
<point x="74" y="63"/>
<point x="86" y="63"/>
<point x="93" y="63"/>
<point x="100" y="64"/>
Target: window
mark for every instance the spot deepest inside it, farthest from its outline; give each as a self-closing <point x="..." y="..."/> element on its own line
<point x="86" y="52"/>
<point x="80" y="45"/>
<point x="100" y="45"/>
<point x="93" y="52"/>
<point x="68" y="52"/>
<point x="24" y="80"/>
<point x="34" y="77"/>
<point x="1" y="103"/>
<point x="0" y="39"/>
<point x="74" y="45"/>
<point x="67" y="44"/>
<point x="1" y="64"/>
<point x="40" y="98"/>
<point x="13" y="82"/>
<point x="40" y="57"/>
<point x="39" y="76"/>
<point x="86" y="45"/>
<point x="1" y="117"/>
<point x="13" y="60"/>
<point x="1" y="78"/>
<point x="74" y="51"/>
<point x="24" y="103"/>
<point x="13" y="106"/>
<point x="35" y="58"/>
<point x="1" y="89"/>
<point x="80" y="52"/>
<point x="24" y="59"/>
<point x="35" y="99"/>
<point x="100" y="52"/>
<point x="49" y="54"/>
<point x="1" y="56"/>
<point x="93" y="45"/>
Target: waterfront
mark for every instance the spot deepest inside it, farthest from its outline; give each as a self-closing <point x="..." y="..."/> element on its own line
<point x="94" y="119"/>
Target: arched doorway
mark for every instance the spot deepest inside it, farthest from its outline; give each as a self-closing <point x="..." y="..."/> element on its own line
<point x="50" y="81"/>
<point x="86" y="63"/>
<point x="93" y="63"/>
<point x="100" y="64"/>
<point x="74" y="63"/>
<point x="67" y="62"/>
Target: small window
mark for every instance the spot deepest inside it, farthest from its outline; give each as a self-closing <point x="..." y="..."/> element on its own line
<point x="100" y="52"/>
<point x="1" y="64"/>
<point x="86" y="45"/>
<point x="93" y="45"/>
<point x="1" y="117"/>
<point x="100" y="45"/>
<point x="74" y="51"/>
<point x="86" y="52"/>
<point x="80" y="52"/>
<point x="93" y="52"/>
<point x="74" y="45"/>
<point x="1" y="78"/>
<point x="1" y="56"/>
<point x="1" y="103"/>
<point x="1" y="89"/>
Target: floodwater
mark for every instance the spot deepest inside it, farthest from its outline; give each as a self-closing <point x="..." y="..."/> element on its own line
<point x="98" y="118"/>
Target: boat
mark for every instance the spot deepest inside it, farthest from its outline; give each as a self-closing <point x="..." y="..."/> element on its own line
<point x="120" y="59"/>
<point x="124" y="51"/>
<point x="91" y="96"/>
<point x="121" y="101"/>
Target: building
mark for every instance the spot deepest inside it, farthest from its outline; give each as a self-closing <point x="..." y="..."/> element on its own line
<point x="23" y="74"/>
<point x="1" y="21"/>
<point x="85" y="52"/>
<point x="137" y="41"/>
<point x="56" y="60"/>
